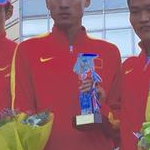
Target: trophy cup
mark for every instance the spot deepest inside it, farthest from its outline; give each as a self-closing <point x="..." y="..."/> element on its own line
<point x="89" y="101"/>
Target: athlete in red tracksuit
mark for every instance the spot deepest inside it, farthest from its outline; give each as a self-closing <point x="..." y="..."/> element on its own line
<point x="137" y="75"/>
<point x="6" y="52"/>
<point x="45" y="80"/>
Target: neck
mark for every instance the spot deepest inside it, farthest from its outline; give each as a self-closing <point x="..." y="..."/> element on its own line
<point x="146" y="46"/>
<point x="148" y="54"/>
<point x="71" y="32"/>
<point x="2" y="30"/>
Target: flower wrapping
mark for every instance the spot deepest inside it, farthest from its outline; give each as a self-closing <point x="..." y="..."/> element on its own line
<point x="144" y="140"/>
<point x="16" y="134"/>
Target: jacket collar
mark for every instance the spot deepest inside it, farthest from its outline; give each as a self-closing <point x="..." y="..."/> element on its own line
<point x="2" y="36"/>
<point x="143" y="59"/>
<point x="60" y="36"/>
<point x="142" y="55"/>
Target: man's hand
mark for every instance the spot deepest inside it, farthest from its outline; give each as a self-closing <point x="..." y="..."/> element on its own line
<point x="115" y="122"/>
<point x="86" y="86"/>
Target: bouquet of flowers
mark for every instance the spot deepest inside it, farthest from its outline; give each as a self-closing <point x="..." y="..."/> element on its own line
<point x="20" y="131"/>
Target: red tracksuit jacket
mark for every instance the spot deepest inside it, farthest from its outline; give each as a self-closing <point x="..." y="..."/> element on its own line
<point x="136" y="80"/>
<point x="45" y="80"/>
<point x="6" y="52"/>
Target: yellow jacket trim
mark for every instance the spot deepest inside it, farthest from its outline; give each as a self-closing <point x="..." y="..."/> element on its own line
<point x="12" y="80"/>
<point x="147" y="112"/>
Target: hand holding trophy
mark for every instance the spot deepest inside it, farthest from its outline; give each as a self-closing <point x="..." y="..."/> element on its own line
<point x="89" y="95"/>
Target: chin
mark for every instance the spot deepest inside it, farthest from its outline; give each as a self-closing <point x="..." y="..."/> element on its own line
<point x="64" y="25"/>
<point x="146" y="41"/>
<point x="144" y="35"/>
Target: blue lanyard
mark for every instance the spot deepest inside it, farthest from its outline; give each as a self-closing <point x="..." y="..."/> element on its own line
<point x="147" y="63"/>
<point x="147" y="60"/>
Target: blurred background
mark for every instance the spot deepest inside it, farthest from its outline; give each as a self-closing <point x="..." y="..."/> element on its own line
<point x="104" y="19"/>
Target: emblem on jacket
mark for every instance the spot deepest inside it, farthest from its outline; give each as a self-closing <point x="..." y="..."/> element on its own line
<point x="98" y="63"/>
<point x="45" y="59"/>
<point x="128" y="71"/>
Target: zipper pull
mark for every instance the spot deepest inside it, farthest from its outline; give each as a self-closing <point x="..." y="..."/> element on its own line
<point x="71" y="48"/>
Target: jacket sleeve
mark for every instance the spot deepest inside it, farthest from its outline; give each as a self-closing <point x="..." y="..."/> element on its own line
<point x="110" y="108"/>
<point x="23" y="96"/>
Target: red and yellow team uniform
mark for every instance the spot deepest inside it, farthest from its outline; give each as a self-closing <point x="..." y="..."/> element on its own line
<point x="45" y="80"/>
<point x="136" y="80"/>
<point x="6" y="53"/>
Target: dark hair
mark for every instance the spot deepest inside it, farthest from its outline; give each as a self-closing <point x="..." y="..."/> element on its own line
<point x="128" y="1"/>
<point x="7" y="6"/>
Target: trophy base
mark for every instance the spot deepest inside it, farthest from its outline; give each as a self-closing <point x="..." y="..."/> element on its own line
<point x="88" y="119"/>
